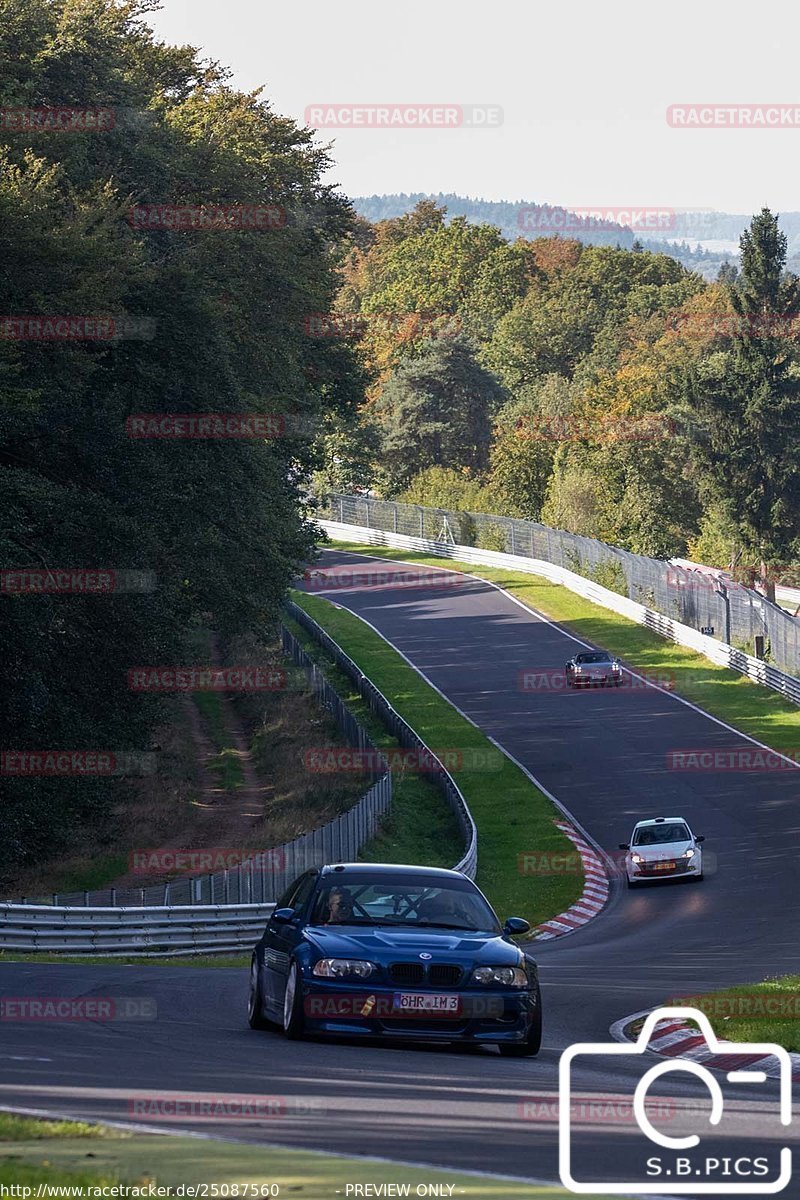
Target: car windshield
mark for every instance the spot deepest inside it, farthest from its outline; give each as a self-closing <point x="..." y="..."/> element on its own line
<point x="599" y="657"/>
<point x="657" y="835"/>
<point x="408" y="902"/>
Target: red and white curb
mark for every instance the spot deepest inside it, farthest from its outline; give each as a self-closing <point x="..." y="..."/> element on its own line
<point x="595" y="892"/>
<point x="675" y="1039"/>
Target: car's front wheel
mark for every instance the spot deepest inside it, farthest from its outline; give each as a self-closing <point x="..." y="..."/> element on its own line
<point x="255" y="1001"/>
<point x="293" y="1005"/>
<point x="533" y="1042"/>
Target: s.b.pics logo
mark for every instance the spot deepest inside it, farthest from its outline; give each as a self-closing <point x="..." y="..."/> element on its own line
<point x="715" y="1145"/>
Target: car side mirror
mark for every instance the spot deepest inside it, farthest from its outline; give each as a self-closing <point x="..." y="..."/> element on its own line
<point x="515" y="926"/>
<point x="700" y="839"/>
<point x="624" y="845"/>
<point x="282" y="916"/>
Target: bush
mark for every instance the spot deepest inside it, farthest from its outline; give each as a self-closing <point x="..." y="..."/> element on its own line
<point x="492" y="537"/>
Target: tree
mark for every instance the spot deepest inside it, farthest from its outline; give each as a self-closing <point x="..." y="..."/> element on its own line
<point x="746" y="401"/>
<point x="436" y="409"/>
<point x="216" y="523"/>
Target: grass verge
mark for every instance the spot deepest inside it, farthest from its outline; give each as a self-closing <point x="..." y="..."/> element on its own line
<point x="513" y="817"/>
<point x="753" y="1012"/>
<point x="755" y="710"/>
<point x="31" y="1157"/>
<point x="420" y="827"/>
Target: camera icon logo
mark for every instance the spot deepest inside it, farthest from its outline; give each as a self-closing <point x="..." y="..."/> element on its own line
<point x="684" y="1164"/>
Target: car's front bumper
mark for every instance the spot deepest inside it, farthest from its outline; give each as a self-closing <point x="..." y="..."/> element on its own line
<point x="496" y="1015"/>
<point x="597" y="679"/>
<point x="648" y="873"/>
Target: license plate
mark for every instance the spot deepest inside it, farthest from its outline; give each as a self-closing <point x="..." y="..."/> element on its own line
<point x="664" y="866"/>
<point x="426" y="1002"/>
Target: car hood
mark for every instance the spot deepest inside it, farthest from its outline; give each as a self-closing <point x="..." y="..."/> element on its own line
<point x="386" y="945"/>
<point x="664" y="850"/>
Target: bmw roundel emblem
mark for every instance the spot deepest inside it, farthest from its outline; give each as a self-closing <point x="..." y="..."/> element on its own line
<point x="424" y="955"/>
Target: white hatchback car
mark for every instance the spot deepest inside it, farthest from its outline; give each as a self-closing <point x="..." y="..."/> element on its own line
<point x="662" y="848"/>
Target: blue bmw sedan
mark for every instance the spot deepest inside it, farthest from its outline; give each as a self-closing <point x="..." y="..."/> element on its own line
<point x="395" y="952"/>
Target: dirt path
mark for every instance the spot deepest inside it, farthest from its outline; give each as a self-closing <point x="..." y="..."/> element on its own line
<point x="219" y="818"/>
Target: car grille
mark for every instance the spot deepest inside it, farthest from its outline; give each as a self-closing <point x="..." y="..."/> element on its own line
<point x="406" y="972"/>
<point x="438" y="974"/>
<point x="444" y="974"/>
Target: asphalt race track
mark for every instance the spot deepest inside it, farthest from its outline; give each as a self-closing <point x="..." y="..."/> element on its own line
<point x="604" y="754"/>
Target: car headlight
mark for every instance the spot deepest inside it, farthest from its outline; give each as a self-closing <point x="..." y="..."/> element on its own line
<point x="689" y="853"/>
<point x="507" y="976"/>
<point x="616" y="667"/>
<point x="637" y="858"/>
<point x="341" y="968"/>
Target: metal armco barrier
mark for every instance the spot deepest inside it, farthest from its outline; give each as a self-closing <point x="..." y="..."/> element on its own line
<point x="402" y="731"/>
<point x="718" y="652"/>
<point x="735" y="614"/>
<point x="117" y="932"/>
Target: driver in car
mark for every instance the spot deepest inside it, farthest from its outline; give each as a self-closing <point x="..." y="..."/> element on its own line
<point x="340" y="906"/>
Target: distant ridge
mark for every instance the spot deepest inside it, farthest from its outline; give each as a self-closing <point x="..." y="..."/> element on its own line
<point x="526" y="218"/>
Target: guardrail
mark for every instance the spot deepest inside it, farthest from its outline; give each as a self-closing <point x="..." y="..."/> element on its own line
<point x="153" y="931"/>
<point x="718" y="652"/>
<point x="405" y="735"/>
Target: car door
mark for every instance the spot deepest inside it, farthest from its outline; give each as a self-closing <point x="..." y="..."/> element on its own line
<point x="280" y="939"/>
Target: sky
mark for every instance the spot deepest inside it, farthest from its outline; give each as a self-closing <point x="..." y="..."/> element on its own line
<point x="576" y="93"/>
